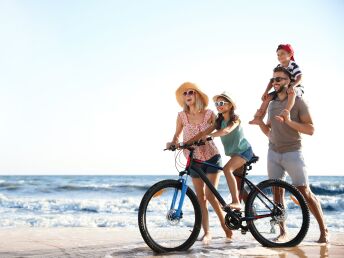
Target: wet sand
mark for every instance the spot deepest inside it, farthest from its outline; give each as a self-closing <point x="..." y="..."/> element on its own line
<point x="110" y="242"/>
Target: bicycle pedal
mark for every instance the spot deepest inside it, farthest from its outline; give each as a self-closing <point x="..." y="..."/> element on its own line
<point x="243" y="232"/>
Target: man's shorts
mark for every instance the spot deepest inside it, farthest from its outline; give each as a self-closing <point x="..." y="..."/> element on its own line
<point x="290" y="162"/>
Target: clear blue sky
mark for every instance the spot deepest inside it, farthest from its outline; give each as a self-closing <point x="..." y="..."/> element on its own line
<point x="87" y="87"/>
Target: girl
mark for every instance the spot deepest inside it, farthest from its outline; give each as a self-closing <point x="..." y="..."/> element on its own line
<point x="236" y="146"/>
<point x="194" y="119"/>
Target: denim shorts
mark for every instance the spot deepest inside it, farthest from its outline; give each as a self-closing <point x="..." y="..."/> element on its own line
<point x="246" y="155"/>
<point x="215" y="160"/>
<point x="288" y="162"/>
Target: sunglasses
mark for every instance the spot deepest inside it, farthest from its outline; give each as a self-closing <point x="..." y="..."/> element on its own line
<point x="220" y="103"/>
<point x="189" y="93"/>
<point x="277" y="79"/>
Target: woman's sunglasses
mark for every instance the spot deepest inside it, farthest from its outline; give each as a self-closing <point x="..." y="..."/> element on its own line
<point x="189" y="93"/>
<point x="277" y="79"/>
<point x="220" y="103"/>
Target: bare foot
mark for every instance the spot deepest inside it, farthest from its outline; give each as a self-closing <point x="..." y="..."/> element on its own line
<point x="206" y="238"/>
<point x="324" y="237"/>
<point x="229" y="240"/>
<point x="282" y="238"/>
<point x="228" y="232"/>
<point x="279" y="119"/>
<point x="256" y="120"/>
<point x="235" y="206"/>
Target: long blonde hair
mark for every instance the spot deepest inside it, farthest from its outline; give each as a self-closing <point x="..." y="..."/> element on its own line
<point x="198" y="102"/>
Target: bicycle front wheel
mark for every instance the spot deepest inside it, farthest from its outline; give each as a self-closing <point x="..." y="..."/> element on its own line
<point x="280" y="214"/>
<point x="160" y="226"/>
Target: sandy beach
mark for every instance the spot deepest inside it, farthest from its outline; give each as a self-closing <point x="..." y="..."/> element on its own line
<point x="110" y="242"/>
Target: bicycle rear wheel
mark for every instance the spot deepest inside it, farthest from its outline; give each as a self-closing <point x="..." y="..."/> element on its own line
<point x="159" y="227"/>
<point x="283" y="225"/>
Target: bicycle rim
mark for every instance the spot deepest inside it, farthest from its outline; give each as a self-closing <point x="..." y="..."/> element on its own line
<point x="288" y="224"/>
<point x="160" y="229"/>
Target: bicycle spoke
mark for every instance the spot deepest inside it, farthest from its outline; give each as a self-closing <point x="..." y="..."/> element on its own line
<point x="287" y="218"/>
<point x="162" y="228"/>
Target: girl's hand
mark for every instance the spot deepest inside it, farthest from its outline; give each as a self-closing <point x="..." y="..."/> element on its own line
<point x="204" y="138"/>
<point x="291" y="91"/>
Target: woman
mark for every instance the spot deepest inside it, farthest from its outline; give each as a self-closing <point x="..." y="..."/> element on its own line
<point x="194" y="119"/>
<point x="228" y="126"/>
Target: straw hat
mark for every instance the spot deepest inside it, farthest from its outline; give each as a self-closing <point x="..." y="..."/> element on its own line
<point x="190" y="86"/>
<point x="226" y="96"/>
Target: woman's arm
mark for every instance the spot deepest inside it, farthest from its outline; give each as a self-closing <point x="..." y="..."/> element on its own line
<point x="230" y="128"/>
<point x="179" y="129"/>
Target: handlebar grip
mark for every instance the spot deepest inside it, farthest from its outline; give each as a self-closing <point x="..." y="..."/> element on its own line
<point x="171" y="148"/>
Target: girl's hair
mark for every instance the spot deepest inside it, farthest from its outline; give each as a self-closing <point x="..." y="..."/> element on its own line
<point x="232" y="118"/>
<point x="198" y="101"/>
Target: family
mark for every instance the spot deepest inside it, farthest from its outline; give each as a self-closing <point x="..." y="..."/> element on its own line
<point x="288" y="118"/>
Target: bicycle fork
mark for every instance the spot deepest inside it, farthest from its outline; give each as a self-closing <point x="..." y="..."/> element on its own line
<point x="177" y="213"/>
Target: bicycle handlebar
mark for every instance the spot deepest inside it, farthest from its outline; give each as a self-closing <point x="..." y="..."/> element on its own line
<point x="188" y="146"/>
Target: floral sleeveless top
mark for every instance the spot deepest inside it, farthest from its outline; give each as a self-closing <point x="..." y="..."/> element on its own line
<point x="204" y="152"/>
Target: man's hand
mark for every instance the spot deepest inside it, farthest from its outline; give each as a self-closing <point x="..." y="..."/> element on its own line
<point x="286" y="115"/>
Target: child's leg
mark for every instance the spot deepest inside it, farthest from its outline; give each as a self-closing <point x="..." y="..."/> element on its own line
<point x="233" y="164"/>
<point x="290" y="104"/>
<point x="259" y="116"/>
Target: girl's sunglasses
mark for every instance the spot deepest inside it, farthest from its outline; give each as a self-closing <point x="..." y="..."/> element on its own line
<point x="189" y="93"/>
<point x="220" y="103"/>
<point x="277" y="79"/>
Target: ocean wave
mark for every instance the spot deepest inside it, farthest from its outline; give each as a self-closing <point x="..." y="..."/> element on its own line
<point x="41" y="205"/>
<point x="102" y="187"/>
<point x="9" y="186"/>
<point x="331" y="203"/>
<point x="67" y="220"/>
<point x="327" y="189"/>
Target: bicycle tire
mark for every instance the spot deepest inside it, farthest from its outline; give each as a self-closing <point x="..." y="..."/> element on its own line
<point x="300" y="203"/>
<point x="145" y="231"/>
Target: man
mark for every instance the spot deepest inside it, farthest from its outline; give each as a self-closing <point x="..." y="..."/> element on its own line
<point x="285" y="144"/>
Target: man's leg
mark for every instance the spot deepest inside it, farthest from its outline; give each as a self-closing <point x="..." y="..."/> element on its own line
<point x="276" y="171"/>
<point x="315" y="208"/>
<point x="295" y="166"/>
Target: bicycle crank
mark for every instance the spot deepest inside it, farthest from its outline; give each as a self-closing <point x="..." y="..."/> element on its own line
<point x="233" y="223"/>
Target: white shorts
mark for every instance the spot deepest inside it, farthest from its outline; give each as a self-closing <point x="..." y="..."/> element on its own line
<point x="290" y="162"/>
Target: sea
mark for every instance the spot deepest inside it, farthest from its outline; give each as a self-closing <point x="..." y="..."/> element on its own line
<point x="113" y="201"/>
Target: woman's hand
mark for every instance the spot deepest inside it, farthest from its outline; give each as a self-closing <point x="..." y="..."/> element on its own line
<point x="169" y="144"/>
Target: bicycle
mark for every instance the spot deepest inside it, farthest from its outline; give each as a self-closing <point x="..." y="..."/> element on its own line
<point x="169" y="216"/>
